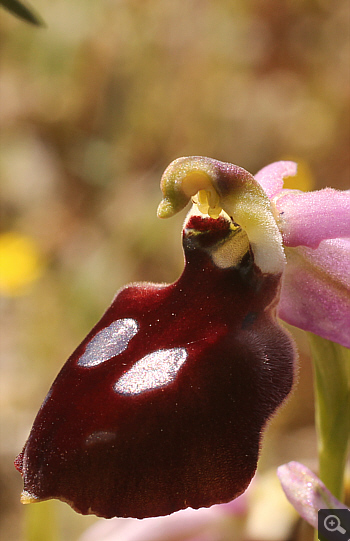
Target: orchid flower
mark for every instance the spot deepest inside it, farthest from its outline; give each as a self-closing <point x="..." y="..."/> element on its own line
<point x="163" y="405"/>
<point x="315" y="295"/>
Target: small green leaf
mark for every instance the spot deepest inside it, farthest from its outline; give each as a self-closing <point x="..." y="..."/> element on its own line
<point x="22" y="11"/>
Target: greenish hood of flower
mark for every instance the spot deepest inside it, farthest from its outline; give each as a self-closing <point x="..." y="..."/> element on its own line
<point x="244" y="201"/>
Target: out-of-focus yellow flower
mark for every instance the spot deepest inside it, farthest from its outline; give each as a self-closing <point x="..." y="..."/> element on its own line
<point x="20" y="263"/>
<point x="303" y="180"/>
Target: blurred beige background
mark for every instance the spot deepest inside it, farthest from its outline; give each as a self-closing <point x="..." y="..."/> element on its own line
<point x="92" y="109"/>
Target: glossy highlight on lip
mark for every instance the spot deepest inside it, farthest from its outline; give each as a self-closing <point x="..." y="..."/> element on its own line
<point x="109" y="342"/>
<point x="153" y="371"/>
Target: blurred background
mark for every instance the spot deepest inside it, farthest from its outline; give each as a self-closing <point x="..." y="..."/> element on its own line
<point x="93" y="107"/>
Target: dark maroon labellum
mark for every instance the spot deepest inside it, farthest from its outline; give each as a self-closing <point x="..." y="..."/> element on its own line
<point x="163" y="404"/>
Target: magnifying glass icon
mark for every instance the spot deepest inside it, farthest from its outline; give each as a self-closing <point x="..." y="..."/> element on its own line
<point x="332" y="524"/>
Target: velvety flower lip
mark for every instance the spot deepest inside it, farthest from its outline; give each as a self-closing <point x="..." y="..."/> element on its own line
<point x="306" y="492"/>
<point x="164" y="403"/>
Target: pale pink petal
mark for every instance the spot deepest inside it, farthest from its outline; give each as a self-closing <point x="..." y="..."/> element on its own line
<point x="308" y="218"/>
<point x="271" y="177"/>
<point x="306" y="492"/>
<point x="315" y="293"/>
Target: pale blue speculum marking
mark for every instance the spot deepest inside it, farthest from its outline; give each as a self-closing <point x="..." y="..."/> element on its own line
<point x="109" y="342"/>
<point x="153" y="371"/>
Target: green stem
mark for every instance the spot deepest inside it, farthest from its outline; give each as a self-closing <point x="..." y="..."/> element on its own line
<point x="331" y="364"/>
<point x="41" y="522"/>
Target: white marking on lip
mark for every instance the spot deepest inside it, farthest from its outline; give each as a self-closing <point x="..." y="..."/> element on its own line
<point x="109" y="342"/>
<point x="153" y="371"/>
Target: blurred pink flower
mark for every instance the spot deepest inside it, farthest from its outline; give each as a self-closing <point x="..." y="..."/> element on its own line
<point x="306" y="492"/>
<point x="315" y="227"/>
<point x="206" y="524"/>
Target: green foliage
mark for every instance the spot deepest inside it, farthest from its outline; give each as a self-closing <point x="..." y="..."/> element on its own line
<point x="21" y="10"/>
